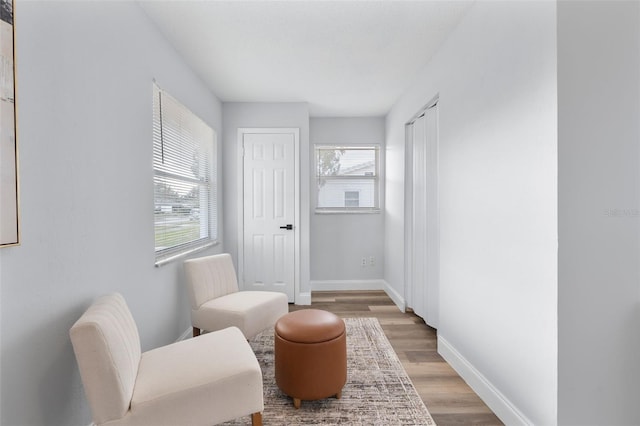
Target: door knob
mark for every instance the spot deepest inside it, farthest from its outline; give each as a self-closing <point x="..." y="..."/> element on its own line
<point x="289" y="226"/>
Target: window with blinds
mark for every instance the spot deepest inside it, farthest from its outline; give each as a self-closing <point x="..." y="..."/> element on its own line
<point x="347" y="179"/>
<point x="183" y="178"/>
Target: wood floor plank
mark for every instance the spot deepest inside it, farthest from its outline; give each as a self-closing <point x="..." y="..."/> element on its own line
<point x="325" y="299"/>
<point x="469" y="419"/>
<point x="460" y="404"/>
<point x="423" y="356"/>
<point x="412" y="344"/>
<point x="383" y="308"/>
<point x="432" y="369"/>
<point x="449" y="399"/>
<point x="394" y="321"/>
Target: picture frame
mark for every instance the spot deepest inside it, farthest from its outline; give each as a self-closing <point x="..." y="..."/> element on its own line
<point x="9" y="205"/>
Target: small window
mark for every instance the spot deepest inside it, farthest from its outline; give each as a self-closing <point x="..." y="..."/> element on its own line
<point x="347" y="178"/>
<point x="183" y="177"/>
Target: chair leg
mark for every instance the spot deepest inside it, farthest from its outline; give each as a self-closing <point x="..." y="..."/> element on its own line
<point x="196" y="331"/>
<point x="296" y="402"/>
<point x="256" y="419"/>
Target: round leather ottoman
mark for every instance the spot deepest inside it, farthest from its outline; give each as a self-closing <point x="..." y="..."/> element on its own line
<point x="310" y="350"/>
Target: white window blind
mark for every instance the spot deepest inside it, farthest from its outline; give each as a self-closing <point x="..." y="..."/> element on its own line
<point x="184" y="178"/>
<point x="347" y="178"/>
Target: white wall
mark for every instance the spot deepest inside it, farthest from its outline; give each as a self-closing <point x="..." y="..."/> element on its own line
<point x="85" y="133"/>
<point x="496" y="78"/>
<point x="599" y="212"/>
<point x="241" y="114"/>
<point x="340" y="241"/>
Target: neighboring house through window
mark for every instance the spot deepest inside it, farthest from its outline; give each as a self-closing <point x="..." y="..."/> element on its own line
<point x="347" y="178"/>
<point x="183" y="178"/>
<point x="351" y="198"/>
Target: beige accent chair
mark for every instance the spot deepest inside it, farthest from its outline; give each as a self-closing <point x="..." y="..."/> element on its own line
<point x="216" y="302"/>
<point x="202" y="381"/>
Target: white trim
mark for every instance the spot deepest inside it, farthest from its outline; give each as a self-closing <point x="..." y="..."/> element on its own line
<point x="395" y="296"/>
<point x="186" y="335"/>
<point x="327" y="210"/>
<point x="408" y="208"/>
<point x="240" y="217"/>
<point x="341" y="285"/>
<point x="422" y="110"/>
<point x="499" y="404"/>
<point x="303" y="298"/>
<point x="164" y="260"/>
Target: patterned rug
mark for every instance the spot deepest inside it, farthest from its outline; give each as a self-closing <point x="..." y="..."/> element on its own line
<point x="378" y="390"/>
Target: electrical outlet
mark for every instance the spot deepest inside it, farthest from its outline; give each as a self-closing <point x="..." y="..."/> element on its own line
<point x="364" y="261"/>
<point x="372" y="261"/>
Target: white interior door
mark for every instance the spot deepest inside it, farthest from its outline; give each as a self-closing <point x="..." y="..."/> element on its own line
<point x="269" y="228"/>
<point x="424" y="245"/>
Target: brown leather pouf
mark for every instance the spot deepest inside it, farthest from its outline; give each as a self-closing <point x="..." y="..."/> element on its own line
<point x="310" y="348"/>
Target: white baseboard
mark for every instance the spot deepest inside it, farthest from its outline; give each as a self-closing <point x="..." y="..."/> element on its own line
<point x="187" y="334"/>
<point x="303" y="298"/>
<point x="397" y="298"/>
<point x="342" y="285"/>
<point x="501" y="406"/>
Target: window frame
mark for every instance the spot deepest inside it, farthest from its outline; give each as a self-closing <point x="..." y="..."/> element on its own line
<point x="375" y="178"/>
<point x="204" y="138"/>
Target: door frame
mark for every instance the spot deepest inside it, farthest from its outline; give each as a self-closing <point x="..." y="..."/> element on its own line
<point x="408" y="205"/>
<point x="240" y="217"/>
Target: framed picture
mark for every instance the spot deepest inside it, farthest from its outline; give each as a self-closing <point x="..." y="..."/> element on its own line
<point x="9" y="217"/>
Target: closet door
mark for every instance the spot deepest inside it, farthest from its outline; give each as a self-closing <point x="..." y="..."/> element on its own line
<point x="418" y="220"/>
<point x="424" y="234"/>
<point x="432" y="218"/>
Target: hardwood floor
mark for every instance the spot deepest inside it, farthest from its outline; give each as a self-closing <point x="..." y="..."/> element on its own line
<point x="449" y="399"/>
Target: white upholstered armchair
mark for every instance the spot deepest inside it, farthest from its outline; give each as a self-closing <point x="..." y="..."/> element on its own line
<point x="202" y="381"/>
<point x="216" y="302"/>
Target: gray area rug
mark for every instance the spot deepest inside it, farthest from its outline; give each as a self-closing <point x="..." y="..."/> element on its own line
<point x="378" y="390"/>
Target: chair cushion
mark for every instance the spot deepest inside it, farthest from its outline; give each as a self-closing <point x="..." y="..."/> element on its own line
<point x="250" y="311"/>
<point x="209" y="277"/>
<point x="205" y="380"/>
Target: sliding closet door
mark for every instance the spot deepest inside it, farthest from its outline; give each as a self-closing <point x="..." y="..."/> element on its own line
<point x="418" y="220"/>
<point x="432" y="218"/>
<point x="424" y="250"/>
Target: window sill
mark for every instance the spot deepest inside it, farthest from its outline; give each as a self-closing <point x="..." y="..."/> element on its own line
<point x="161" y="261"/>
<point x="348" y="211"/>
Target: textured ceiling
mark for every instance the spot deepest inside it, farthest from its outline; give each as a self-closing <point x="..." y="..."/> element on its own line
<point x="345" y="58"/>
